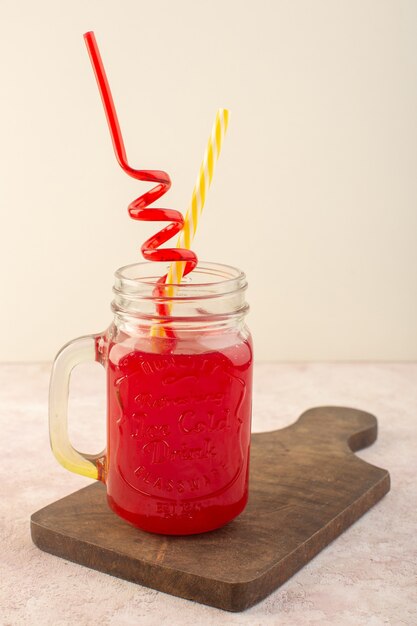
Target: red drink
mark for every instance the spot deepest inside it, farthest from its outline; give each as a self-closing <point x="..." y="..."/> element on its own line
<point x="179" y="406"/>
<point x="179" y="434"/>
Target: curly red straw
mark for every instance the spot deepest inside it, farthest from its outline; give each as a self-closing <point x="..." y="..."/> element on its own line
<point x="139" y="208"/>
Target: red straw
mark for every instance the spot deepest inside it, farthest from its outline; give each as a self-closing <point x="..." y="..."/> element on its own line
<point x="138" y="208"/>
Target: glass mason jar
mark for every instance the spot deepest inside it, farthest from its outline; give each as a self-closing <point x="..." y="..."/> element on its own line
<point x="179" y="388"/>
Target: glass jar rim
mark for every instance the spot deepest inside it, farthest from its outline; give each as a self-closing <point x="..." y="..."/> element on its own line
<point x="208" y="279"/>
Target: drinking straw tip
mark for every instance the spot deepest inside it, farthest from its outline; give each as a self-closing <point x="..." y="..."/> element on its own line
<point x="89" y="33"/>
<point x="225" y="114"/>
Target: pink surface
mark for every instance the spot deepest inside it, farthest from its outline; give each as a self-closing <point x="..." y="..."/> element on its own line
<point x="366" y="577"/>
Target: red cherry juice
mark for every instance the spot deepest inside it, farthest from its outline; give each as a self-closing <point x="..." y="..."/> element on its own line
<point x="179" y="435"/>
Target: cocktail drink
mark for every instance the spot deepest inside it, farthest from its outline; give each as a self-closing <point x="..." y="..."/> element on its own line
<point x="179" y="406"/>
<point x="179" y="409"/>
<point x="178" y="357"/>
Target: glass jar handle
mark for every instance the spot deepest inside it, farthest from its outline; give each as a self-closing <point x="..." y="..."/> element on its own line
<point x="73" y="353"/>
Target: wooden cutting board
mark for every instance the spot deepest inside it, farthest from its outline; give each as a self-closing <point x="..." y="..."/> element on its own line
<point x="306" y="488"/>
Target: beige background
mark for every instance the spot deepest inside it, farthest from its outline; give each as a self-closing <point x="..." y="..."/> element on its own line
<point x="315" y="195"/>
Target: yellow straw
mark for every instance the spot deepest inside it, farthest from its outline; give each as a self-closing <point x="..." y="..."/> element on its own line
<point x="198" y="198"/>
